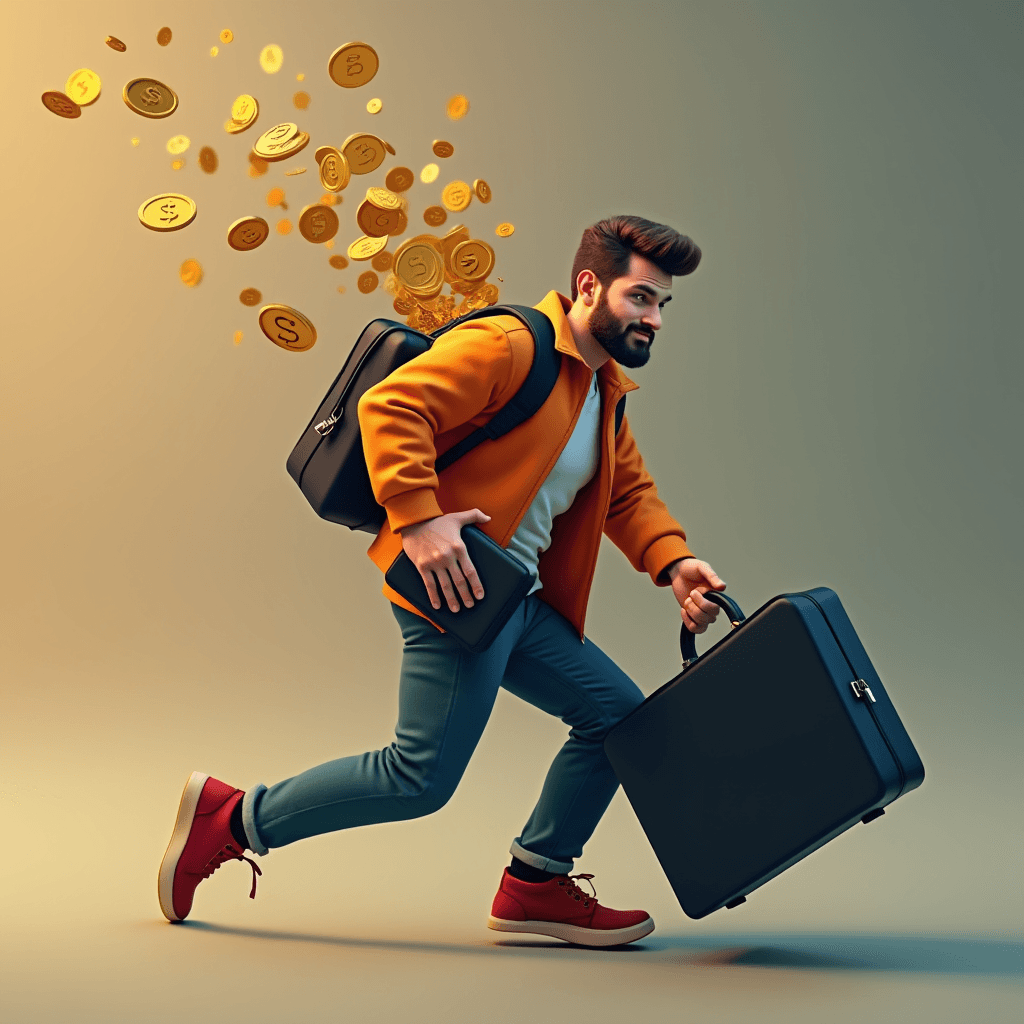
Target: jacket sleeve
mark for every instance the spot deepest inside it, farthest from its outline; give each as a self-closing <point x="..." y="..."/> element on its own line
<point x="638" y="521"/>
<point x="465" y="371"/>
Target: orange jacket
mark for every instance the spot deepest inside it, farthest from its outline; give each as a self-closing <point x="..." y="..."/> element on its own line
<point x="432" y="402"/>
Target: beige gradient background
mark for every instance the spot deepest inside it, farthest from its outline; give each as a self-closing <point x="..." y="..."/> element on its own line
<point x="834" y="399"/>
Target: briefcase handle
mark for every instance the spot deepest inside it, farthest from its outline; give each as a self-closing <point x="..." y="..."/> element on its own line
<point x="688" y="640"/>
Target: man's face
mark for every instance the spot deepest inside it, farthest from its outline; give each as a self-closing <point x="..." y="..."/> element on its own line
<point x="628" y="312"/>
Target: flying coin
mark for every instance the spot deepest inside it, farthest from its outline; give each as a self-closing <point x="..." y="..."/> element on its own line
<point x="150" y="98"/>
<point x="301" y="100"/>
<point x="442" y="149"/>
<point x="280" y="146"/>
<point x="178" y="144"/>
<point x="457" y="108"/>
<point x="383" y="198"/>
<point x="287" y="327"/>
<point x="226" y="35"/>
<point x="403" y="306"/>
<point x="115" y="44"/>
<point x="429" y="174"/>
<point x="59" y="103"/>
<point x="504" y="229"/>
<point x="335" y="172"/>
<point x="399" y="179"/>
<point x="248" y="233"/>
<point x="456" y="235"/>
<point x="365" y="247"/>
<point x="482" y="190"/>
<point x="390" y="148"/>
<point x="208" y="159"/>
<point x="250" y="297"/>
<point x="238" y="337"/>
<point x="382" y="261"/>
<point x="473" y="260"/>
<point x="457" y="195"/>
<point x="374" y="221"/>
<point x="367" y="282"/>
<point x="176" y="165"/>
<point x="83" y="86"/>
<point x="276" y="136"/>
<point x="364" y="152"/>
<point x="295" y="170"/>
<point x="163" y="37"/>
<point x="168" y="211"/>
<point x="419" y="267"/>
<point x="318" y="223"/>
<point x="435" y="216"/>
<point x="257" y="165"/>
<point x="284" y="226"/>
<point x="244" y="110"/>
<point x="338" y="262"/>
<point x="353" y="64"/>
<point x="270" y="58"/>
<point x="214" y="51"/>
<point x="374" y="106"/>
<point x="191" y="273"/>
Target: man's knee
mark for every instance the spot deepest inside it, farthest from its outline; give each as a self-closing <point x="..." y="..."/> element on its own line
<point x="422" y="789"/>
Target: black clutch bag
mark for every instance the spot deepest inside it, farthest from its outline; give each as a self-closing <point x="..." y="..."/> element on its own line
<point x="505" y="579"/>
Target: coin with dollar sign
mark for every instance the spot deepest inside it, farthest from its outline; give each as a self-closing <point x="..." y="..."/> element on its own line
<point x="442" y="148"/>
<point x="456" y="195"/>
<point x="287" y="327"/>
<point x="473" y="260"/>
<point x="168" y="211"/>
<point x="365" y="247"/>
<point x="400" y="179"/>
<point x="364" y="152"/>
<point x="419" y="266"/>
<point x="59" y="103"/>
<point x="318" y="223"/>
<point x="83" y="86"/>
<point x="248" y="233"/>
<point x="335" y="173"/>
<point x="482" y="190"/>
<point x="353" y="64"/>
<point x="150" y="98"/>
<point x="435" y="216"/>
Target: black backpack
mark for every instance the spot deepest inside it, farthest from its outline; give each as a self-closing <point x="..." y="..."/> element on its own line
<point x="328" y="462"/>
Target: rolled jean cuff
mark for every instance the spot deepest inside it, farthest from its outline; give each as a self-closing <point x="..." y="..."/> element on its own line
<point x="249" y="818"/>
<point x="535" y="860"/>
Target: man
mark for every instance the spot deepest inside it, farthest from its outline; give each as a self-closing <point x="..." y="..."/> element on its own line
<point x="550" y="487"/>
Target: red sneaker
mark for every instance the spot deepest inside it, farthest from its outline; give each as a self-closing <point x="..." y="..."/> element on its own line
<point x="200" y="843"/>
<point x="559" y="907"/>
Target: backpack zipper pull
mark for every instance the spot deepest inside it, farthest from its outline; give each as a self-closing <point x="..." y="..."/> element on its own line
<point x="860" y="688"/>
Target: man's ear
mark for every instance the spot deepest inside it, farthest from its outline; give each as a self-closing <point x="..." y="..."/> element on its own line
<point x="587" y="285"/>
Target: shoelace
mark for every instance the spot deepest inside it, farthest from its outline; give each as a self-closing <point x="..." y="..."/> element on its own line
<point x="573" y="890"/>
<point x="230" y="853"/>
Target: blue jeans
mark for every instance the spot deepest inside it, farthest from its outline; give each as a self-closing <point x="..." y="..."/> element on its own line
<point x="445" y="698"/>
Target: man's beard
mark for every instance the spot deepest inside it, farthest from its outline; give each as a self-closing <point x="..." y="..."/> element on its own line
<point x="624" y="346"/>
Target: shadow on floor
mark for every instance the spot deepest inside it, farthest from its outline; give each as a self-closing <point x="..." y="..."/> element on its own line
<point x="903" y="954"/>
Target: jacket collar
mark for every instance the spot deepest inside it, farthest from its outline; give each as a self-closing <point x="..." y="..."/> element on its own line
<point x="555" y="306"/>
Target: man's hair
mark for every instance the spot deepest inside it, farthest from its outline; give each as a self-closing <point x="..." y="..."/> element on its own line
<point x="606" y="247"/>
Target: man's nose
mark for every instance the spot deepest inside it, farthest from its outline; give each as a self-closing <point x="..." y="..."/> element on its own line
<point x="652" y="320"/>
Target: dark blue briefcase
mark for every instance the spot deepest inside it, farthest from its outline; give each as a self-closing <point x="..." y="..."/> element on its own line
<point x="773" y="742"/>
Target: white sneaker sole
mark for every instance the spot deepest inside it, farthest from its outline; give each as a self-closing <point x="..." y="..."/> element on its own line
<point x="182" y="827"/>
<point x="574" y="933"/>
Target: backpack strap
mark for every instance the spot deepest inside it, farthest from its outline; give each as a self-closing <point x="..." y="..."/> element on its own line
<point x="539" y="383"/>
<point x="620" y="411"/>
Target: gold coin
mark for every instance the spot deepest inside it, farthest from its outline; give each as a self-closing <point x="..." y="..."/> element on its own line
<point x="248" y="233"/>
<point x="382" y="261"/>
<point x="270" y="58"/>
<point x="178" y="144"/>
<point x="473" y="260"/>
<point x="390" y="148"/>
<point x="435" y="216"/>
<point x="301" y="100"/>
<point x="168" y="211"/>
<point x="457" y="108"/>
<point x="318" y="223"/>
<point x="295" y="170"/>
<point x="257" y="165"/>
<point x="403" y="306"/>
<point x="208" y="159"/>
<point x="330" y="199"/>
<point x="238" y="337"/>
<point x="482" y="190"/>
<point x="335" y="173"/>
<point x="329" y="244"/>
<point x="245" y="108"/>
<point x="504" y="229"/>
<point x="59" y="103"/>
<point x="429" y="173"/>
<point x="338" y="262"/>
<point x="457" y="234"/>
<point x="150" y="98"/>
<point x="163" y="37"/>
<point x="365" y="247"/>
<point x="277" y="137"/>
<point x="399" y="179"/>
<point x="419" y="267"/>
<point x="364" y="152"/>
<point x="383" y="198"/>
<point x="115" y="44"/>
<point x="374" y="221"/>
<point x="353" y="64"/>
<point x="274" y="151"/>
<point x="284" y="226"/>
<point x="374" y="106"/>
<point x="367" y="282"/>
<point x="442" y="149"/>
<point x="300" y="78"/>
<point x="214" y="51"/>
<point x="489" y="293"/>
<point x="176" y="165"/>
<point x="83" y="86"/>
<point x="287" y="327"/>
<point x="275" y="196"/>
<point x="226" y="35"/>
<point x="457" y="195"/>
<point x="250" y="297"/>
<point x="135" y="140"/>
<point x="191" y="273"/>
<point x="341" y="289"/>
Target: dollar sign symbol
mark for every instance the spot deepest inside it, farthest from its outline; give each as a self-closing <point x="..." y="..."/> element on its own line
<point x="419" y="264"/>
<point x="151" y="96"/>
<point x="368" y="153"/>
<point x="354" y="66"/>
<point x="318" y="223"/>
<point x="469" y="262"/>
<point x="170" y="209"/>
<point x="82" y="86"/>
<point x="284" y="330"/>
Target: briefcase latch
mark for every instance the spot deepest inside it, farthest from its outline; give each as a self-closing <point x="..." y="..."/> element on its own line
<point x="324" y="427"/>
<point x="861" y="689"/>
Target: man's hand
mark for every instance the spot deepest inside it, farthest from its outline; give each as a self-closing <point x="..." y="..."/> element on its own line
<point x="691" y="579"/>
<point x="435" y="546"/>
